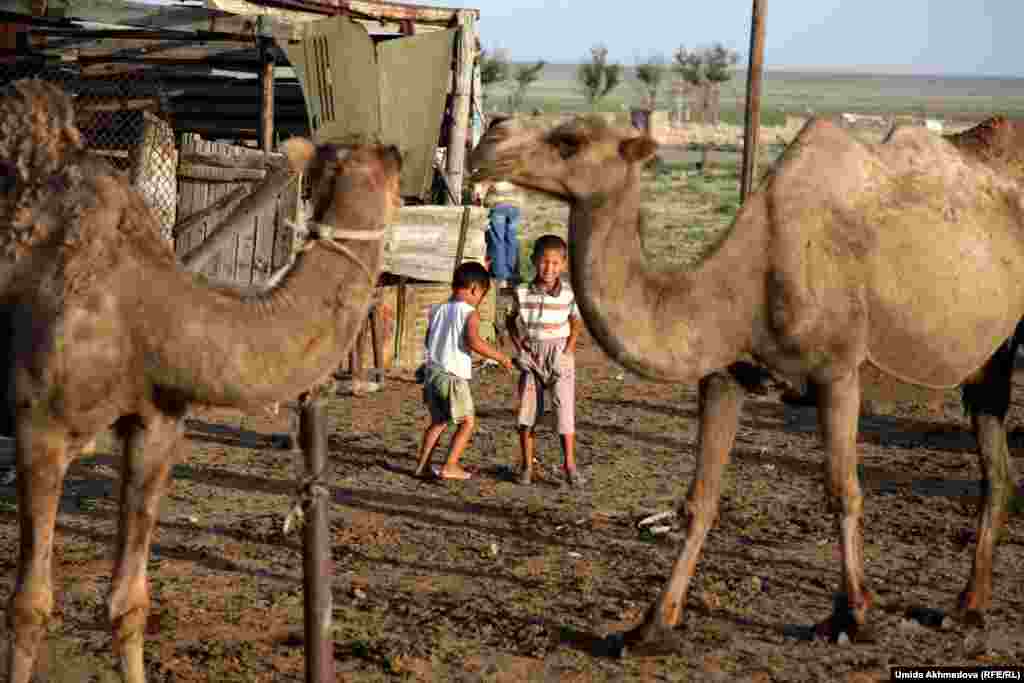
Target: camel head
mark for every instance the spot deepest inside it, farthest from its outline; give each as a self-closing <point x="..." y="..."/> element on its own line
<point x="354" y="184"/>
<point x="580" y="160"/>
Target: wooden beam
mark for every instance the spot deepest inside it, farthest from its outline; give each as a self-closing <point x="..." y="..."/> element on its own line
<point x="237" y="128"/>
<point x="119" y="104"/>
<point x="267" y="104"/>
<point x="752" y="125"/>
<point x="463" y="78"/>
<point x="288" y="16"/>
<point x="234" y="108"/>
<point x="37" y="41"/>
<point x="127" y="13"/>
<point x="145" y="34"/>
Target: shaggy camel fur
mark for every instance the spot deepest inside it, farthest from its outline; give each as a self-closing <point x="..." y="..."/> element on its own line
<point x="908" y="255"/>
<point x="103" y="328"/>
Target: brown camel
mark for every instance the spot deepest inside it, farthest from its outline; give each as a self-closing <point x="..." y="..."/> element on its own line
<point x="104" y="328"/>
<point x="907" y="254"/>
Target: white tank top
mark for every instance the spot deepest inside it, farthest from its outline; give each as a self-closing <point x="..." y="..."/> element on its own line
<point x="446" y="338"/>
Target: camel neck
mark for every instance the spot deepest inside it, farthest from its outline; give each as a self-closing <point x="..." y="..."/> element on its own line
<point x="672" y="325"/>
<point x="225" y="343"/>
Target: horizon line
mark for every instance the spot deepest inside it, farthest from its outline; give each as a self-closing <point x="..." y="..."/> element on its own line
<point x="866" y="70"/>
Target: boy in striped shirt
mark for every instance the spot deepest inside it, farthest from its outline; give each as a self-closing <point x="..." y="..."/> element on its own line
<point x="543" y="325"/>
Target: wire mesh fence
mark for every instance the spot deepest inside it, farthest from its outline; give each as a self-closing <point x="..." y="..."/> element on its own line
<point x="124" y="117"/>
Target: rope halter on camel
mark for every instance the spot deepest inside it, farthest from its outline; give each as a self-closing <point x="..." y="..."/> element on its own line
<point x="327" y="236"/>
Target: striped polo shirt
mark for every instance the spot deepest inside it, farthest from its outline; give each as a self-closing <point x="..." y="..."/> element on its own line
<point x="544" y="316"/>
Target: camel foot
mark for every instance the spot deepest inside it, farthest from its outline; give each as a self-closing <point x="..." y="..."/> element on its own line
<point x="932" y="618"/>
<point x="970" y="610"/>
<point x="651" y="638"/>
<point x="128" y="639"/>
<point x="28" y="630"/>
<point x="973" y="618"/>
<point x="848" y="621"/>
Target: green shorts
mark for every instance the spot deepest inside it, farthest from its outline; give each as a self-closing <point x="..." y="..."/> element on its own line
<point x="447" y="397"/>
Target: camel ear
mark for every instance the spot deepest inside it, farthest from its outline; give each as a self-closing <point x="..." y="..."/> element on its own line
<point x="298" y="151"/>
<point x="638" y="149"/>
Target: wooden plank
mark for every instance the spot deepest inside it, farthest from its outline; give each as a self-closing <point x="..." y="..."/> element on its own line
<point x="229" y="255"/>
<point x="225" y="203"/>
<point x="263" y="244"/>
<point x="227" y="161"/>
<point x="284" y="234"/>
<point x="185" y="202"/>
<point x="424" y="240"/>
<point x="219" y="174"/>
<point x="240" y="216"/>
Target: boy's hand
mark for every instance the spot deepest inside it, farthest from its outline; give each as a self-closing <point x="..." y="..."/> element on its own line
<point x="506" y="363"/>
<point x="570" y="349"/>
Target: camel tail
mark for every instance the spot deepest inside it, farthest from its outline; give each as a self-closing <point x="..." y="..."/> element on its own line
<point x="38" y="135"/>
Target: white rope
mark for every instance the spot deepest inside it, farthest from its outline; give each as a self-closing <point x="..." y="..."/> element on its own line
<point x="324" y="231"/>
<point x="325" y="236"/>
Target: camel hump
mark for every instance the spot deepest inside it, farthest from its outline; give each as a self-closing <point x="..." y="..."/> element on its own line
<point x="996" y="139"/>
<point x="39" y="137"/>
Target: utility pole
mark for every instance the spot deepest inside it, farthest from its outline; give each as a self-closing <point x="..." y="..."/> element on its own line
<point x="753" y="113"/>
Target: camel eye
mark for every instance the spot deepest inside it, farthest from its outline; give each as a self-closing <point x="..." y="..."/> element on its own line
<point x="567" y="147"/>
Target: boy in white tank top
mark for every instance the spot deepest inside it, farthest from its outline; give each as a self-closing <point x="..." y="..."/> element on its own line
<point x="453" y="330"/>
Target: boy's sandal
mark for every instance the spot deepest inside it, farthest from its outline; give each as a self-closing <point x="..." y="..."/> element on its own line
<point x="525" y="478"/>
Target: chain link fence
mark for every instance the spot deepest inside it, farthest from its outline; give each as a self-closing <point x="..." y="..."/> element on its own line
<point x="124" y="117"/>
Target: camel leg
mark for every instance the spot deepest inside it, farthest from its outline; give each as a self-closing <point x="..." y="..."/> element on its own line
<point x="721" y="399"/>
<point x="988" y="401"/>
<point x="838" y="409"/>
<point x="149" y="453"/>
<point x="42" y="463"/>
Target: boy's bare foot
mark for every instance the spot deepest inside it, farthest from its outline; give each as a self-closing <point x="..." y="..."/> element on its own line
<point x="455" y="473"/>
<point x="574" y="479"/>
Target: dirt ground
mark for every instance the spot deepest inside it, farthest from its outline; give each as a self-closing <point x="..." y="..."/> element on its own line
<point x="489" y="580"/>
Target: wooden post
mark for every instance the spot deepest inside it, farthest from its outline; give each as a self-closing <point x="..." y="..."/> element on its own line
<point x="465" y="56"/>
<point x="753" y="113"/>
<point x="460" y="248"/>
<point x="317" y="566"/>
<point x="267" y="101"/>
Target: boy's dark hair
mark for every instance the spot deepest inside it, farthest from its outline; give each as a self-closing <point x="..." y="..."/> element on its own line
<point x="471" y="273"/>
<point x="549" y="242"/>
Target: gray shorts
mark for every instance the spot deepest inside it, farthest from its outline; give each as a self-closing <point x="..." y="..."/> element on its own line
<point x="560" y="398"/>
<point x="447" y="397"/>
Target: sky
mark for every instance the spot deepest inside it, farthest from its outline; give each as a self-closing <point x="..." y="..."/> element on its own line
<point x="979" y="37"/>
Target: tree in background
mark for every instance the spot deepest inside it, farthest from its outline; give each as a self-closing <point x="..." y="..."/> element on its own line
<point x="494" y="69"/>
<point x="598" y="78"/>
<point x="650" y="75"/>
<point x="526" y="75"/>
<point x="705" y="70"/>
